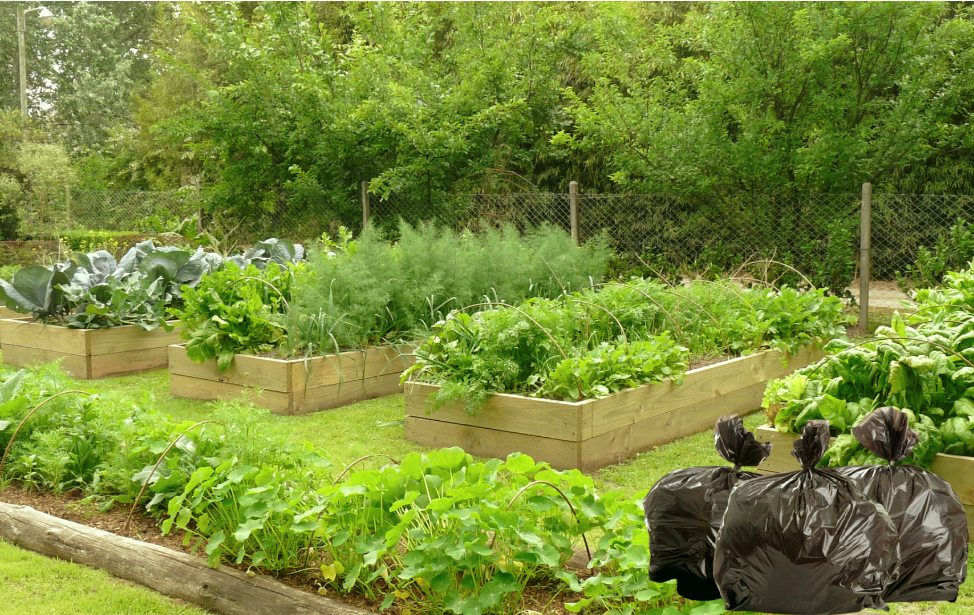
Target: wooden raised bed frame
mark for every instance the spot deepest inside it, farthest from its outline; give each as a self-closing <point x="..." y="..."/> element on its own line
<point x="87" y="354"/>
<point x="955" y="469"/>
<point x="594" y="433"/>
<point x="293" y="386"/>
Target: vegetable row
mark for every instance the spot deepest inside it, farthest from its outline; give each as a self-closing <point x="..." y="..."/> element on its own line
<point x="598" y="341"/>
<point x="922" y="365"/>
<point x="96" y="291"/>
<point x="437" y="532"/>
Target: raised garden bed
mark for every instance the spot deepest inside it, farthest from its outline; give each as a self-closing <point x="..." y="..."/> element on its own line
<point x="955" y="469"/>
<point x="594" y="433"/>
<point x="87" y="354"/>
<point x="293" y="386"/>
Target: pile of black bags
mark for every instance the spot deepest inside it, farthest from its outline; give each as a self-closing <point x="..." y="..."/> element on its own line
<point x="812" y="542"/>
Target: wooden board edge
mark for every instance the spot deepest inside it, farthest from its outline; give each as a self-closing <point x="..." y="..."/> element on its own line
<point x="127" y="362"/>
<point x="483" y="442"/>
<point x="195" y="388"/>
<point x="76" y="365"/>
<point x="529" y="416"/>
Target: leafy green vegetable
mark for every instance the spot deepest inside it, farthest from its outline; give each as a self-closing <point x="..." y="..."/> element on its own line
<point x="595" y="342"/>
<point x="923" y="369"/>
<point x="36" y="290"/>
<point x="237" y="311"/>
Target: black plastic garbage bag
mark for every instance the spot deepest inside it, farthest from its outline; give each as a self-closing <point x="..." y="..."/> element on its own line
<point x="683" y="511"/>
<point x="806" y="542"/>
<point x="926" y="512"/>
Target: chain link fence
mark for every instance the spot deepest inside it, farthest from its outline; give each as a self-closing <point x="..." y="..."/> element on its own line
<point x="913" y="236"/>
<point x="817" y="234"/>
<point x="45" y="216"/>
<point x="911" y="232"/>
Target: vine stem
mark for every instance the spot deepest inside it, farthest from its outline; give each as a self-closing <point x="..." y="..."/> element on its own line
<point x="563" y="496"/>
<point x="768" y="260"/>
<point x="625" y="338"/>
<point x="29" y="414"/>
<point x="669" y="292"/>
<point x="739" y="295"/>
<point x="145" y="484"/>
<point x="679" y="329"/>
<point x="363" y="458"/>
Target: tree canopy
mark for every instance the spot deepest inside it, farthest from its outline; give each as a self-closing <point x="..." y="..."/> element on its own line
<point x="286" y="107"/>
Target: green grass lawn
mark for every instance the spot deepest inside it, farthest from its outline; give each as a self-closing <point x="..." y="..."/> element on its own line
<point x="32" y="584"/>
<point x="347" y="433"/>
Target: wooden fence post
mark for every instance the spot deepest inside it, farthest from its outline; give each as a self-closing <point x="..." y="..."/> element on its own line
<point x="573" y="203"/>
<point x="199" y="206"/>
<point x="865" y="256"/>
<point x="67" y="205"/>
<point x="366" y="214"/>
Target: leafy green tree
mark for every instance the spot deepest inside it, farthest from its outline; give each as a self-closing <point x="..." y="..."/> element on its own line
<point x="82" y="71"/>
<point x="751" y="98"/>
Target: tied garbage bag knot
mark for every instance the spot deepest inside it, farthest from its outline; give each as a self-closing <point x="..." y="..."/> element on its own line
<point x="811" y="446"/>
<point x="738" y="445"/>
<point x="683" y="511"/>
<point x="807" y="542"/>
<point x="886" y="432"/>
<point x="928" y="516"/>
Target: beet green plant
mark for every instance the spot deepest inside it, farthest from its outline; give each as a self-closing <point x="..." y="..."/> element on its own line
<point x="595" y="342"/>
<point x="238" y="311"/>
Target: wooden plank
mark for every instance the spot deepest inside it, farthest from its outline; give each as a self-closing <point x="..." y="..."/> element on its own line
<point x="130" y="362"/>
<point x="130" y="337"/>
<point x="6" y="313"/>
<point x="561" y="454"/>
<point x="634" y="405"/>
<point x="44" y="337"/>
<point x="959" y="472"/>
<point x="625" y="442"/>
<point x="349" y="366"/>
<point x="75" y="365"/>
<point x="266" y="373"/>
<point x="512" y="413"/>
<point x="180" y="575"/>
<point x="324" y="398"/>
<point x="197" y="388"/>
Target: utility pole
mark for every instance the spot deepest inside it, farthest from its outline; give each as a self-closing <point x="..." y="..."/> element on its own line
<point x="47" y="18"/>
<point x="21" y="31"/>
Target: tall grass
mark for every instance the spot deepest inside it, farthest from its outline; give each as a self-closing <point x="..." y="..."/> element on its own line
<point x="374" y="291"/>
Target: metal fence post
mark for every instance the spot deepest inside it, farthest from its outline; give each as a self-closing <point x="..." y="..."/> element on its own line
<point x="366" y="214"/>
<point x="865" y="257"/>
<point x="573" y="203"/>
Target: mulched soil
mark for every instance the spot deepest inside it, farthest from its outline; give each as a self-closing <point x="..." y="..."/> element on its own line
<point x="71" y="507"/>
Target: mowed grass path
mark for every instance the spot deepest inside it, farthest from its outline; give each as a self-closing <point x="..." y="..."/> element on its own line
<point x="348" y="433"/>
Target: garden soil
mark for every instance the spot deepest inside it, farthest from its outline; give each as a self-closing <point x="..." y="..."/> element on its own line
<point x="539" y="598"/>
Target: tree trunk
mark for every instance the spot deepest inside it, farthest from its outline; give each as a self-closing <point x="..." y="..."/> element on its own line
<point x="175" y="574"/>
